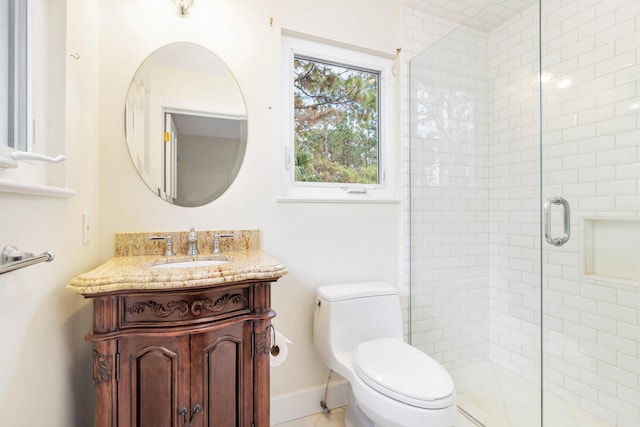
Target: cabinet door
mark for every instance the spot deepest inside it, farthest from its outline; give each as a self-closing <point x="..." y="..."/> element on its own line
<point x="154" y="381"/>
<point x="222" y="376"/>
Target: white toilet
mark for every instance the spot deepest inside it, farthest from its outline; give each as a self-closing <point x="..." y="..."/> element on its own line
<point x="357" y="330"/>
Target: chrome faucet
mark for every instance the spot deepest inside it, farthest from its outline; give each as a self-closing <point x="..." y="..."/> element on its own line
<point x="216" y="242"/>
<point x="193" y="243"/>
<point x="169" y="248"/>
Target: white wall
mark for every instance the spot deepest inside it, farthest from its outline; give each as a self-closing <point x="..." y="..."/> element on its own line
<point x="319" y="243"/>
<point x="45" y="364"/>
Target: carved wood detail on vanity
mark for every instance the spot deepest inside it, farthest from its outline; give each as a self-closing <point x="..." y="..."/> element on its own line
<point x="217" y="305"/>
<point x="102" y="367"/>
<point x="263" y="340"/>
<point x="160" y="310"/>
<point x="141" y="309"/>
<point x="183" y="307"/>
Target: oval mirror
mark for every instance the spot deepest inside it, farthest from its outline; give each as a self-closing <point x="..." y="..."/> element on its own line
<point x="185" y="124"/>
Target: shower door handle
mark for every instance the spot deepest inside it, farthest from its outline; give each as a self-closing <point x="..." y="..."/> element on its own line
<point x="557" y="241"/>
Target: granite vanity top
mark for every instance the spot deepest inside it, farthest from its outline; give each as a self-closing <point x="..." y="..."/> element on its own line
<point x="133" y="272"/>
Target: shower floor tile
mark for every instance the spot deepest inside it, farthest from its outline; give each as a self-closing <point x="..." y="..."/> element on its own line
<point x="497" y="398"/>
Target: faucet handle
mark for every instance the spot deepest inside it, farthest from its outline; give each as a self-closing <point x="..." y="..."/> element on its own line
<point x="216" y="241"/>
<point x="192" y="239"/>
<point x="169" y="249"/>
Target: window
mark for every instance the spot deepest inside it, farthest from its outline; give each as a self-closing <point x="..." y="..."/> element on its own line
<point x="32" y="87"/>
<point x="337" y="122"/>
<point x="336" y="126"/>
<point x="14" y="93"/>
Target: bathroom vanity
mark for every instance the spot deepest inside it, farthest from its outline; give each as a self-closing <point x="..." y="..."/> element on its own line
<point x="181" y="341"/>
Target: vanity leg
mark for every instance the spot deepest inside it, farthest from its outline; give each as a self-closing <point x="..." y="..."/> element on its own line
<point x="262" y="331"/>
<point x="104" y="377"/>
<point x="262" y="396"/>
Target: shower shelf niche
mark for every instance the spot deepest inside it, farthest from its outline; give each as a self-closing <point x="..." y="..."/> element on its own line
<point x="611" y="250"/>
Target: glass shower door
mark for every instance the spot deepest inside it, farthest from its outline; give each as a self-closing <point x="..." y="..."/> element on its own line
<point x="590" y="140"/>
<point x="525" y="212"/>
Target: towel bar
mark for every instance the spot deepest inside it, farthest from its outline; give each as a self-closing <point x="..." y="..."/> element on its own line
<point x="13" y="259"/>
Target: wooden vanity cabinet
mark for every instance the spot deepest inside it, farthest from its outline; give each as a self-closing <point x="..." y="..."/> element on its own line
<point x="197" y="358"/>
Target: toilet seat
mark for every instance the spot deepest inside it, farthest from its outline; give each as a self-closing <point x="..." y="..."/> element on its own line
<point x="403" y="373"/>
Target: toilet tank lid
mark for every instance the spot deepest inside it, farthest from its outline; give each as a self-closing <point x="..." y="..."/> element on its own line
<point x="355" y="290"/>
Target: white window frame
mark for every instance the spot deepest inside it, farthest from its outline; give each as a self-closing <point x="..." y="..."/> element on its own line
<point x="33" y="173"/>
<point x="332" y="192"/>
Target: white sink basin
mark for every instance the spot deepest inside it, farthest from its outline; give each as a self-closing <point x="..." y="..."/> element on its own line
<point x="190" y="264"/>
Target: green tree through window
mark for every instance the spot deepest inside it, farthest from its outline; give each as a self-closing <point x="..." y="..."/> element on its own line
<point x="336" y="124"/>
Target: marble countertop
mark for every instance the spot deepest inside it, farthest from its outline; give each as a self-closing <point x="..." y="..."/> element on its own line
<point x="126" y="273"/>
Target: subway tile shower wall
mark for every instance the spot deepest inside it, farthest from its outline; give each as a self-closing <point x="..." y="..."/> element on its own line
<point x="475" y="247"/>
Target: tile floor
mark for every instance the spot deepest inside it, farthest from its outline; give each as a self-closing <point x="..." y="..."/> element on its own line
<point x="336" y="419"/>
<point x="494" y="397"/>
<point x="498" y="398"/>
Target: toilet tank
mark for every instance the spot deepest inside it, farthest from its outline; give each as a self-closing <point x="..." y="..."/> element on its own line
<point x="348" y="314"/>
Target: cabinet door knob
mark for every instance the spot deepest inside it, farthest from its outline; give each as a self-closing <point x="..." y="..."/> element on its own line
<point x="183" y="413"/>
<point x="197" y="408"/>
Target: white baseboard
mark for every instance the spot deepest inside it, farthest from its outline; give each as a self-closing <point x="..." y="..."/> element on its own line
<point x="305" y="402"/>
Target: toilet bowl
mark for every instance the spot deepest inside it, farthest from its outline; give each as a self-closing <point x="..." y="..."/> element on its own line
<point x="357" y="331"/>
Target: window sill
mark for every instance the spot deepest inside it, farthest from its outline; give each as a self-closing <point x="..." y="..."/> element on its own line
<point x="290" y="199"/>
<point x="35" y="190"/>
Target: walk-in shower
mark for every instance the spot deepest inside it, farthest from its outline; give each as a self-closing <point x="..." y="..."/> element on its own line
<point x="524" y="141"/>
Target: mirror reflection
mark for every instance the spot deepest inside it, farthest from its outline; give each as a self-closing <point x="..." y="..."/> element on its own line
<point x="185" y="124"/>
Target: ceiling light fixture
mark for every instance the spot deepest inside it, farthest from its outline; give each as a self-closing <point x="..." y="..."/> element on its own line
<point x="184" y="7"/>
